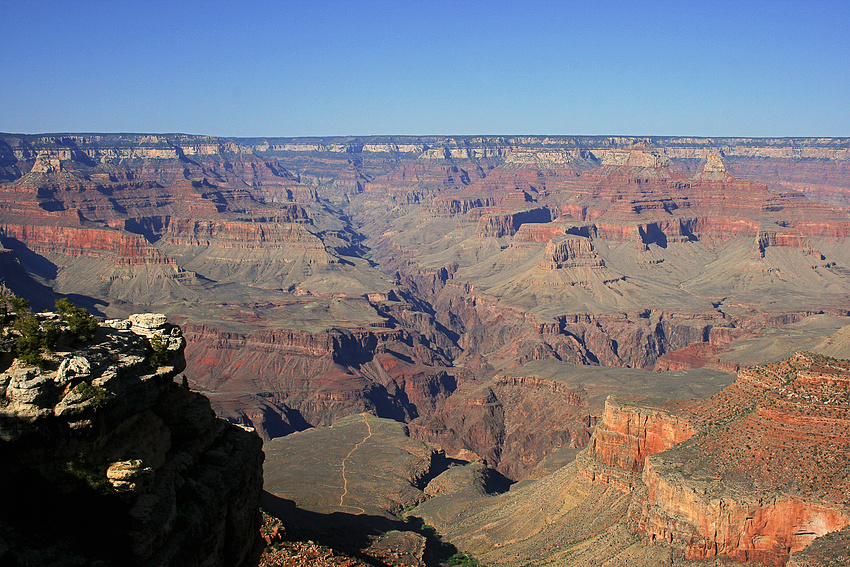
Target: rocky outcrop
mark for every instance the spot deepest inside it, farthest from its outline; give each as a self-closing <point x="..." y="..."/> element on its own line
<point x="633" y="339"/>
<point x="507" y="224"/>
<point x="522" y="415"/>
<point x="731" y="482"/>
<point x="120" y="464"/>
<point x="745" y="474"/>
<point x="190" y="232"/>
<point x="323" y="376"/>
<point x="571" y="252"/>
<point x="629" y="432"/>
<point x="121" y="248"/>
<point x="451" y="206"/>
<point x="825" y="551"/>
<point x="328" y="276"/>
<point x="698" y="355"/>
<point x="639" y="156"/>
<point x="694" y="513"/>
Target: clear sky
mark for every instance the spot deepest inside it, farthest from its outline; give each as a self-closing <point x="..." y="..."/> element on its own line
<point x="333" y="67"/>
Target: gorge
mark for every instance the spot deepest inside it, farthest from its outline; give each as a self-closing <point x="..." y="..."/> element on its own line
<point x="513" y="308"/>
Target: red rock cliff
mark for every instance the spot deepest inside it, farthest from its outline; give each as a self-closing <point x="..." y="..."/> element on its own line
<point x="631" y="431"/>
<point x="753" y="473"/>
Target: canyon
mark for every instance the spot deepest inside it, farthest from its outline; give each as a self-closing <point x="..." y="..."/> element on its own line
<point x="510" y="300"/>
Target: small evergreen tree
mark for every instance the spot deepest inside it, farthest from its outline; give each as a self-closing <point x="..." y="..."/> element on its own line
<point x="160" y="351"/>
<point x="82" y="324"/>
<point x="33" y="337"/>
<point x="5" y="296"/>
<point x="19" y="304"/>
<point x="30" y="340"/>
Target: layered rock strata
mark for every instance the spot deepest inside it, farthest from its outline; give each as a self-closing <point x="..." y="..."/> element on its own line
<point x="527" y="413"/>
<point x="753" y="473"/>
<point x="324" y="277"/>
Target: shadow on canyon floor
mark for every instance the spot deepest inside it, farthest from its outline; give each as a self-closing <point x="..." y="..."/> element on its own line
<point x="351" y="533"/>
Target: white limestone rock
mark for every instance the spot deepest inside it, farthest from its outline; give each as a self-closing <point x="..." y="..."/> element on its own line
<point x="147" y="321"/>
<point x="73" y="367"/>
<point x="28" y="385"/>
<point x="120" y="324"/>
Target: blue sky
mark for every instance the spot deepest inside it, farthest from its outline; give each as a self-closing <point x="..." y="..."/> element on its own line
<point x="327" y="67"/>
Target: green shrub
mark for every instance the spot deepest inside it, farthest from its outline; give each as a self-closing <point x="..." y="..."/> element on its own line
<point x="160" y="351"/>
<point x="464" y="560"/>
<point x="32" y="338"/>
<point x="91" y="392"/>
<point x="10" y="304"/>
<point x="81" y="324"/>
<point x="83" y="470"/>
<point x="19" y="304"/>
<point x="64" y="306"/>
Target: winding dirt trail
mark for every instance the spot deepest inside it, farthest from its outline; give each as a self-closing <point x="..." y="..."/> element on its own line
<point x="344" y="479"/>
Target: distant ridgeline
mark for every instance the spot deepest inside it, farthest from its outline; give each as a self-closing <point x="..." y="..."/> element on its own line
<point x="19" y="151"/>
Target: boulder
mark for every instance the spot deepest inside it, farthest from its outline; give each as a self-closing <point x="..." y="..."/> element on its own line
<point x="148" y="321"/>
<point x="71" y="368"/>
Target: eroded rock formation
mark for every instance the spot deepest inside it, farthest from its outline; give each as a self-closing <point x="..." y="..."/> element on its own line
<point x="106" y="460"/>
<point x="422" y="279"/>
<point x="755" y="473"/>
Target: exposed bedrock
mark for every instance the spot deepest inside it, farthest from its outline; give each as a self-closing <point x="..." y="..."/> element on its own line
<point x="634" y="339"/>
<point x="570" y="252"/>
<point x="118" y="463"/>
<point x="451" y="206"/>
<point x="830" y="549"/>
<point x="494" y="224"/>
<point x="696" y="514"/>
<point x="497" y="253"/>
<point x="818" y="177"/>
<point x="631" y="431"/>
<point x="754" y="473"/>
<point x="510" y="423"/>
<point x="321" y="376"/>
<point x="122" y="248"/>
<point x="192" y="232"/>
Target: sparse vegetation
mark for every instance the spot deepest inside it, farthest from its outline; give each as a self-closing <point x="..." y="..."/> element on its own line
<point x="464" y="560"/>
<point x="88" y="391"/>
<point x="5" y="296"/>
<point x="36" y="335"/>
<point x="160" y="351"/>
<point x="81" y="324"/>
<point x="82" y="469"/>
<point x="404" y="512"/>
<point x="446" y="552"/>
<point x="33" y="337"/>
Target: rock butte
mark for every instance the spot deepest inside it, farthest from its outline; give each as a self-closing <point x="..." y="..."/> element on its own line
<point x="490" y="292"/>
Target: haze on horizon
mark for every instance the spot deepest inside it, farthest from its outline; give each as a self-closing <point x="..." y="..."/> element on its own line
<point x="291" y="68"/>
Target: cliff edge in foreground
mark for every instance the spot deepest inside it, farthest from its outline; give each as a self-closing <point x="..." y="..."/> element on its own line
<point x="105" y="460"/>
